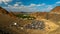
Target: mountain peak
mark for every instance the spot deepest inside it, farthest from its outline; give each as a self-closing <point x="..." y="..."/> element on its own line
<point x="56" y="10"/>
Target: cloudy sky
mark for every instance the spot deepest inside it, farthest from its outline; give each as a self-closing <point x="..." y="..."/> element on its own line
<point x="29" y="5"/>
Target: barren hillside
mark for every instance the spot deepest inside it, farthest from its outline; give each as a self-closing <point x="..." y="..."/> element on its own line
<point x="17" y="26"/>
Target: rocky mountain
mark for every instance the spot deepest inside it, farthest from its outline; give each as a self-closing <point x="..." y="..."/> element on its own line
<point x="9" y="24"/>
<point x="41" y="15"/>
<point x="6" y="19"/>
<point x="54" y="15"/>
<point x="5" y="12"/>
<point x="56" y="10"/>
<point x="17" y="26"/>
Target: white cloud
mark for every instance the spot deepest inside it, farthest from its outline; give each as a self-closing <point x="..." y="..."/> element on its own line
<point x="31" y="7"/>
<point x="5" y="1"/>
<point x="19" y="2"/>
<point x="58" y="2"/>
<point x="48" y="8"/>
<point x="41" y="4"/>
<point x="9" y="5"/>
<point x="16" y="5"/>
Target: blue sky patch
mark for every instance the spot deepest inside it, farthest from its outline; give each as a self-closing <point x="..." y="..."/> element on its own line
<point x="29" y="5"/>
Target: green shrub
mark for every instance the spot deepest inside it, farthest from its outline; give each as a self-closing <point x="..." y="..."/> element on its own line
<point x="22" y="16"/>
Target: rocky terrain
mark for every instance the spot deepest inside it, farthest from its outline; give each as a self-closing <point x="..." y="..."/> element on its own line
<point x="44" y="22"/>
